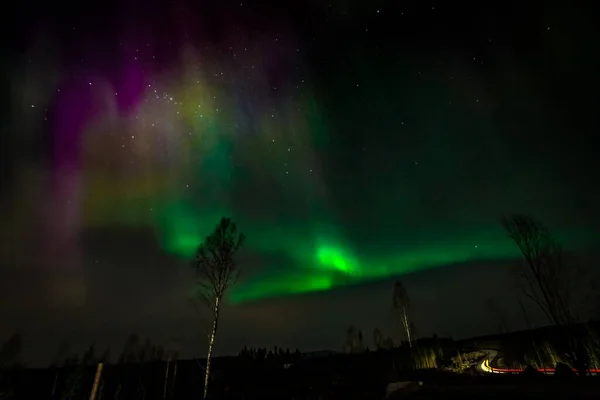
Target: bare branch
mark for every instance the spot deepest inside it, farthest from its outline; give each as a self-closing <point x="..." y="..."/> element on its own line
<point x="548" y="280"/>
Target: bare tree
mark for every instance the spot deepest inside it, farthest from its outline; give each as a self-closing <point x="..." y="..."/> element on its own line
<point x="354" y="340"/>
<point x="89" y="357"/>
<point x="545" y="277"/>
<point x="548" y="280"/>
<point x="401" y="302"/>
<point x="131" y="350"/>
<point x="61" y="355"/>
<point x="216" y="270"/>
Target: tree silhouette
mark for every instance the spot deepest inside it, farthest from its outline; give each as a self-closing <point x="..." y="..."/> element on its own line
<point x="105" y="356"/>
<point x="169" y="356"/>
<point x="89" y="357"/>
<point x="401" y="302"/>
<point x="216" y="270"/>
<point x="378" y="339"/>
<point x="146" y="351"/>
<point x="73" y="382"/>
<point x="545" y="277"/>
<point x="131" y="350"/>
<point x="59" y="359"/>
<point x="354" y="340"/>
<point x="159" y="353"/>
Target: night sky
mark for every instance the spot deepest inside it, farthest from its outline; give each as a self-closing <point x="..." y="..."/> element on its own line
<point x="354" y="143"/>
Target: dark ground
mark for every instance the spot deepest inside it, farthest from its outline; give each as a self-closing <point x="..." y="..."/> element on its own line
<point x="337" y="377"/>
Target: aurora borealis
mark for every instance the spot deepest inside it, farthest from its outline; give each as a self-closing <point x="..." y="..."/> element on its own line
<point x="169" y="151"/>
<point x="352" y="142"/>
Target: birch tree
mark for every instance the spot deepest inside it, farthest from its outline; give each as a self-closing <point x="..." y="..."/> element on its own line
<point x="216" y="270"/>
<point x="401" y="303"/>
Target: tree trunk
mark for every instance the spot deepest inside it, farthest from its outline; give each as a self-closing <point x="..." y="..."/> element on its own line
<point x="96" y="381"/>
<point x="54" y="384"/>
<point x="407" y="327"/>
<point x="210" y="345"/>
<point x="166" y="379"/>
<point x="174" y="379"/>
<point x="101" y="391"/>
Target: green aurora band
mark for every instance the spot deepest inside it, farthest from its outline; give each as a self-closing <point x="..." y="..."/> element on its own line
<point x="224" y="164"/>
<point x="324" y="261"/>
<point x="320" y="257"/>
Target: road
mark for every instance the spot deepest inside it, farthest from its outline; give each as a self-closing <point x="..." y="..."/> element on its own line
<point x="485" y="364"/>
<point x="492" y="354"/>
